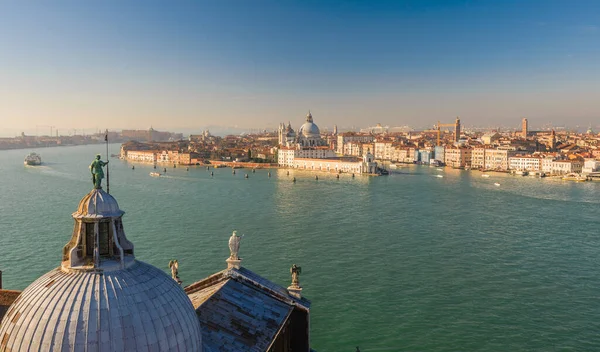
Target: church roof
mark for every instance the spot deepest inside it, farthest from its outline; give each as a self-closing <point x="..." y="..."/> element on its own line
<point x="139" y="308"/>
<point x="241" y="311"/>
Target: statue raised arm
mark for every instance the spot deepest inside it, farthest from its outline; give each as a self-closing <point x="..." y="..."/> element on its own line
<point x="97" y="172"/>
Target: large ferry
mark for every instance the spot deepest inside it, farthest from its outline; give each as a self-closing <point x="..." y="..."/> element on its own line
<point x="33" y="159"/>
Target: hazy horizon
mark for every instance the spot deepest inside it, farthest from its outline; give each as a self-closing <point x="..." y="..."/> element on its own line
<point x="182" y="66"/>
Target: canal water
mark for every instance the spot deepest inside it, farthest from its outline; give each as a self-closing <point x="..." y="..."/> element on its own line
<point x="407" y="262"/>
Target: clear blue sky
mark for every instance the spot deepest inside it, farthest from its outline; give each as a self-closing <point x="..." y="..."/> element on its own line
<point x="187" y="64"/>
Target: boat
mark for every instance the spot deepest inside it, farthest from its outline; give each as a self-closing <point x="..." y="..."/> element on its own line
<point x="33" y="159"/>
<point x="485" y="175"/>
<point x="440" y="176"/>
<point x="154" y="174"/>
<point x="521" y="173"/>
<point x="496" y="184"/>
<point x="393" y="166"/>
<point x="440" y="169"/>
<point x="574" y="177"/>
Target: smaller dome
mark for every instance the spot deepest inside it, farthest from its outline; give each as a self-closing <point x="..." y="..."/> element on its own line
<point x="98" y="204"/>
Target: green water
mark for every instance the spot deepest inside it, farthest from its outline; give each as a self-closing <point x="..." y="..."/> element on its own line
<point x="408" y="262"/>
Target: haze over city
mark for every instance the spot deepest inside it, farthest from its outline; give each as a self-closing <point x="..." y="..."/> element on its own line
<point x="116" y="65"/>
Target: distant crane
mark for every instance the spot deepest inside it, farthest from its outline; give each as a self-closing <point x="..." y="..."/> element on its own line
<point x="438" y="128"/>
<point x="46" y="126"/>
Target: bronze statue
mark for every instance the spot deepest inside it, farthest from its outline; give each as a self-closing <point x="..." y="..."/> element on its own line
<point x="295" y="271"/>
<point x="97" y="172"/>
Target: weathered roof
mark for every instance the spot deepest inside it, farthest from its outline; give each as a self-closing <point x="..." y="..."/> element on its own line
<point x="98" y="204"/>
<point x="241" y="311"/>
<point x="139" y="308"/>
<point x="7" y="297"/>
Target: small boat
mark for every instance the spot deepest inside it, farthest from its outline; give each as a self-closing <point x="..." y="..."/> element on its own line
<point x="521" y="173"/>
<point x="246" y="176"/>
<point x="496" y="184"/>
<point x="574" y="177"/>
<point x="393" y="166"/>
<point x="440" y="176"/>
<point x="211" y="173"/>
<point x="440" y="169"/>
<point x="33" y="159"/>
<point x="154" y="174"/>
<point x="485" y="175"/>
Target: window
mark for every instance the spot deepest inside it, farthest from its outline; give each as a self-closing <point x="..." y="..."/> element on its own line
<point x="89" y="240"/>
<point x="103" y="238"/>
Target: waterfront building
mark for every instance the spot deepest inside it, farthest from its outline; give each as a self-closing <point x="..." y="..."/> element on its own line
<point x="525" y="163"/>
<point x="497" y="159"/>
<point x="287" y="155"/>
<point x="146" y="156"/>
<point x="438" y="153"/>
<point x="458" y="157"/>
<point x="590" y="165"/>
<point x="553" y="165"/>
<point x="366" y="165"/>
<point x="478" y="157"/>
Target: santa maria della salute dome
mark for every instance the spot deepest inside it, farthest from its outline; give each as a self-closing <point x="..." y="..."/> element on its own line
<point x="101" y="298"/>
<point x="308" y="134"/>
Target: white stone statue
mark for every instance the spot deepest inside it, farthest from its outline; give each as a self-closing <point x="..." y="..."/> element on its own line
<point x="234" y="245"/>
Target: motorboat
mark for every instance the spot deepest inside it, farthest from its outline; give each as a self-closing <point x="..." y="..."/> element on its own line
<point x="440" y="176"/>
<point x="33" y="159"/>
<point x="154" y="174"/>
<point x="485" y="175"/>
<point x="574" y="177"/>
<point x="496" y="184"/>
<point x="521" y="173"/>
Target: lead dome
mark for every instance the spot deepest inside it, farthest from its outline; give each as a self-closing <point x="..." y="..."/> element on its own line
<point x="101" y="298"/>
<point x="309" y="129"/>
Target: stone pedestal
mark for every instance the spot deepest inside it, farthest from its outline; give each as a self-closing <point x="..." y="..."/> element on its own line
<point x="233" y="263"/>
<point x="295" y="291"/>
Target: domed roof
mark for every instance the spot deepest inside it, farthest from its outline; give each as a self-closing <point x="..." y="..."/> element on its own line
<point x="97" y="204"/>
<point x="138" y="308"/>
<point x="101" y="298"/>
<point x="309" y="129"/>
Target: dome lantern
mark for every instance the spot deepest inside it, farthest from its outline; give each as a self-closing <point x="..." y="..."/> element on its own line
<point x="98" y="241"/>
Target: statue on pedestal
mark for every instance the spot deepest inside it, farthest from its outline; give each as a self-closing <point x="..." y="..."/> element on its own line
<point x="234" y="245"/>
<point x="97" y="172"/>
<point x="295" y="271"/>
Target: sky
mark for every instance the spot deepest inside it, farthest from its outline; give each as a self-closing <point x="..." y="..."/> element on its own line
<point x="184" y="65"/>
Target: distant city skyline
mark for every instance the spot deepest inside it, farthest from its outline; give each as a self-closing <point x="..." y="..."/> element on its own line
<point x="180" y="67"/>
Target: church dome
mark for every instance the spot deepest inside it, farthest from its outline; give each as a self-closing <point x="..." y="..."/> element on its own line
<point x="101" y="298"/>
<point x="139" y="308"/>
<point x="309" y="129"/>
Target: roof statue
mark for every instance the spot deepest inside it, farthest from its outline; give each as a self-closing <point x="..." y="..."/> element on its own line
<point x="234" y="259"/>
<point x="234" y="245"/>
<point x="97" y="172"/>
<point x="174" y="266"/>
<point x="295" y="271"/>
